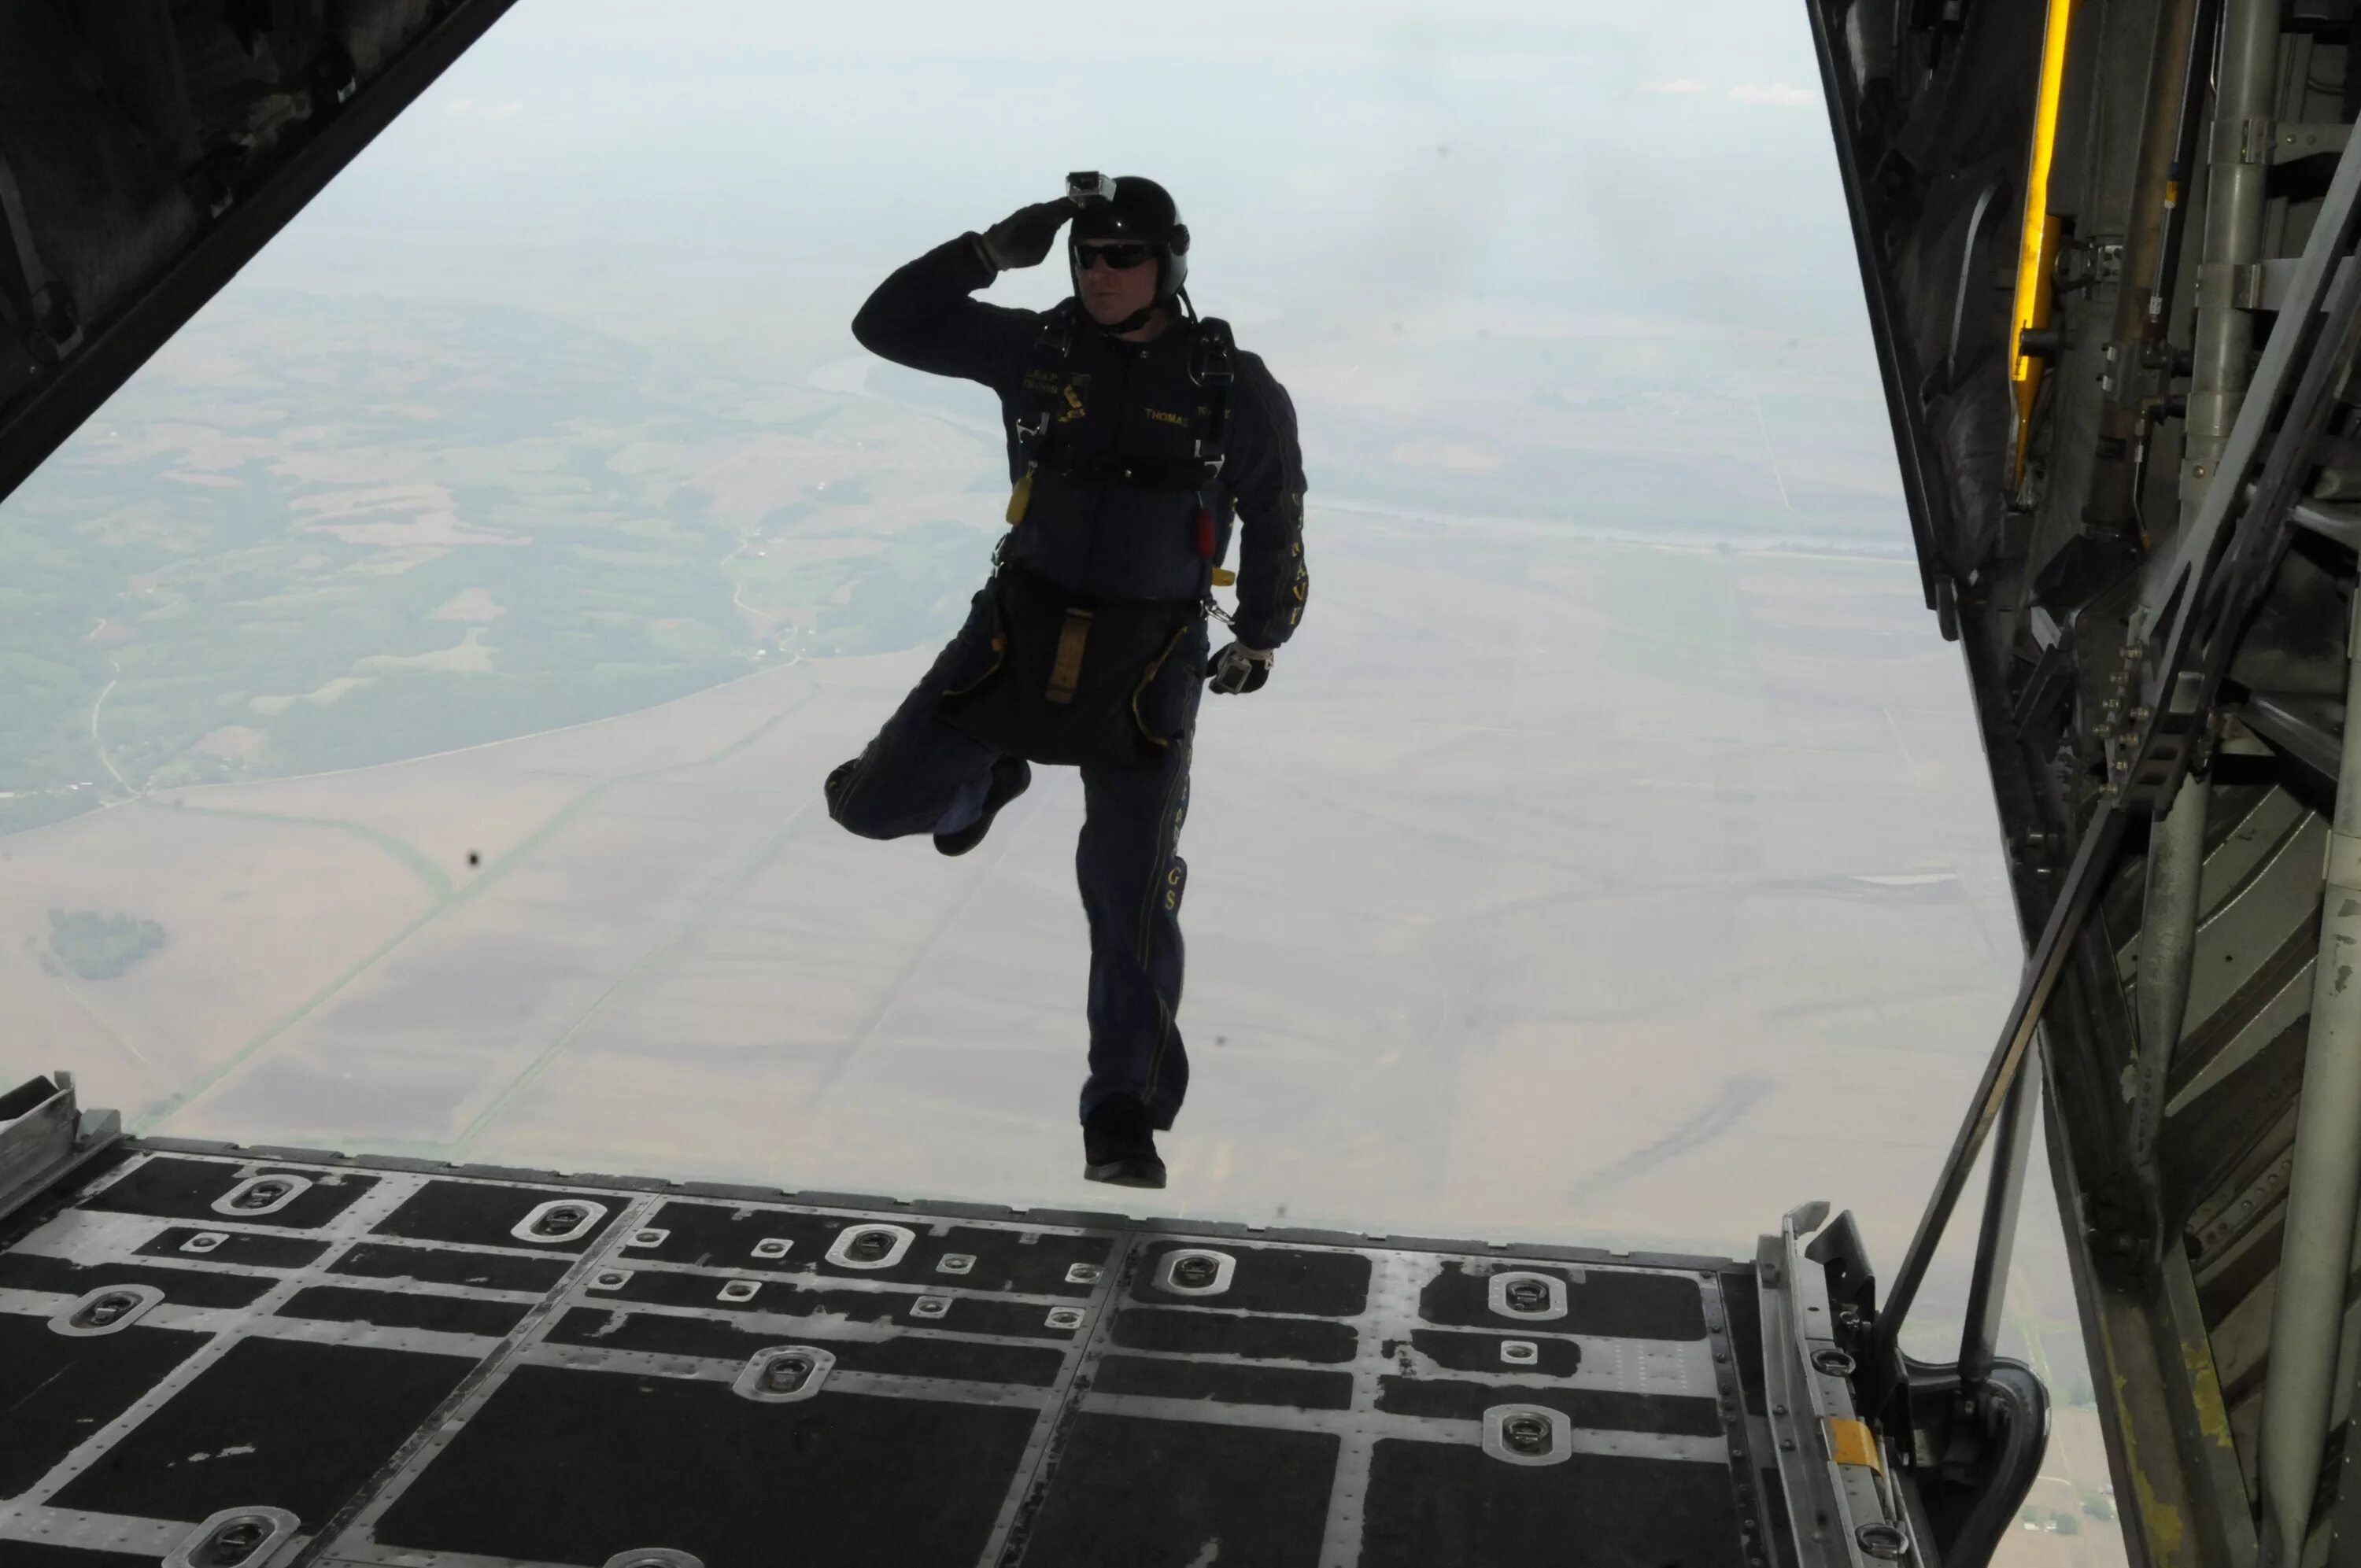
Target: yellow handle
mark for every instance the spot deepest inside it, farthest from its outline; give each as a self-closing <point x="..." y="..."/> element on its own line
<point x="1224" y="577"/>
<point x="1021" y="496"/>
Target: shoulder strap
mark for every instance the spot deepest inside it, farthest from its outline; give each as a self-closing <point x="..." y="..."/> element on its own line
<point x="1052" y="345"/>
<point x="1210" y="350"/>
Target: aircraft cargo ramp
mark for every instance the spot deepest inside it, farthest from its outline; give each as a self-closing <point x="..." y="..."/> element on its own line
<point x="216" y="1355"/>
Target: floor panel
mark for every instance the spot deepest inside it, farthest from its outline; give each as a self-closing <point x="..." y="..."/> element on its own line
<point x="444" y="1369"/>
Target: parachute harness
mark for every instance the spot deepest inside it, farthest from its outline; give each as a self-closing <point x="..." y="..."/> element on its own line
<point x="1210" y="369"/>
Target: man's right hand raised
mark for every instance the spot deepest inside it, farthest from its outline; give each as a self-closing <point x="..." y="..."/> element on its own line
<point x="1023" y="238"/>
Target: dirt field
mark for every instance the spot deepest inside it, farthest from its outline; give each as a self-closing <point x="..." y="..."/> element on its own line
<point x="1558" y="893"/>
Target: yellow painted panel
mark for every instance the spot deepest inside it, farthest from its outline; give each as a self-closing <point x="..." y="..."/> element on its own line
<point x="1850" y="1443"/>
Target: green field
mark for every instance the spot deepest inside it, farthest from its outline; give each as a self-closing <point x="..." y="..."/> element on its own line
<point x="319" y="534"/>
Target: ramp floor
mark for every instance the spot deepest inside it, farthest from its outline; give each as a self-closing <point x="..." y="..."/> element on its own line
<point x="209" y="1357"/>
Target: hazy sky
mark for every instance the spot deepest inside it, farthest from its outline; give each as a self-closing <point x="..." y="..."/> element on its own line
<point x="665" y="171"/>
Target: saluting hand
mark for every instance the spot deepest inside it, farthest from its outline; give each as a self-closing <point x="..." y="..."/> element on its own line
<point x="1023" y="238"/>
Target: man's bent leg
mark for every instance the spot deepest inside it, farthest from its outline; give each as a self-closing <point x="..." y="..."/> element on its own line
<point x="1132" y="878"/>
<point x="919" y="775"/>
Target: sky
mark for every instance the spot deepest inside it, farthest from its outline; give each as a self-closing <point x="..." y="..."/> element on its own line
<point x="699" y="182"/>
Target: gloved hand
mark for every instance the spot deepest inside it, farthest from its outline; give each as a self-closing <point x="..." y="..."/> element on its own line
<point x="1237" y="668"/>
<point x="1023" y="238"/>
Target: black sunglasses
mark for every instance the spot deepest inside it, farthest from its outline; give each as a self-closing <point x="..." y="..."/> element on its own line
<point x="1122" y="255"/>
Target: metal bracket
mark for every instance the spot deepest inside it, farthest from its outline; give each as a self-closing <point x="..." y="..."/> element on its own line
<point x="108" y="1309"/>
<point x="2255" y="285"/>
<point x="1195" y="1271"/>
<point x="2295" y="140"/>
<point x="2274" y="141"/>
<point x="1527" y="1297"/>
<point x="871" y="1247"/>
<point x="784" y="1374"/>
<point x="43" y="1134"/>
<point x="2242" y="141"/>
<point x="2086" y="263"/>
<point x="2138" y="374"/>
<point x="250" y="1538"/>
<point x="559" y="1220"/>
<point x="259" y="1195"/>
<point x="2246" y="285"/>
<point x="1528" y="1434"/>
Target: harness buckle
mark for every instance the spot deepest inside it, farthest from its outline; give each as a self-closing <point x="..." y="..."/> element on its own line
<point x="1209" y="355"/>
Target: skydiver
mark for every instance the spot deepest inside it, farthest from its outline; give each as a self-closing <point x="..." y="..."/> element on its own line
<point x="1136" y="436"/>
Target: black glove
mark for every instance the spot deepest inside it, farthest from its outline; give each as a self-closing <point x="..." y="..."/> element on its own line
<point x="1238" y="669"/>
<point x="1023" y="238"/>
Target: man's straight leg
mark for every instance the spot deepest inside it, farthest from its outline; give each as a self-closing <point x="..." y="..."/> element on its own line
<point x="1132" y="878"/>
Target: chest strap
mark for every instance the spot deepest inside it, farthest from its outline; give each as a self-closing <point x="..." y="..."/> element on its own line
<point x="1210" y="369"/>
<point x="1191" y="474"/>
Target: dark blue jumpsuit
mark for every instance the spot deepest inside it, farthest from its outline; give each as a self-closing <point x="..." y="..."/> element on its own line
<point x="1095" y="535"/>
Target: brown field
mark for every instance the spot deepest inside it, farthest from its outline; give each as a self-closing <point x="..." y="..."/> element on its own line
<point x="1515" y="913"/>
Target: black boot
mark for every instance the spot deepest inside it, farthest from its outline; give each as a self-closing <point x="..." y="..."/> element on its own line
<point x="1119" y="1145"/>
<point x="1010" y="778"/>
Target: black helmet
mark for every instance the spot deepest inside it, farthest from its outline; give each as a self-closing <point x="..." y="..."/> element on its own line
<point x="1141" y="210"/>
